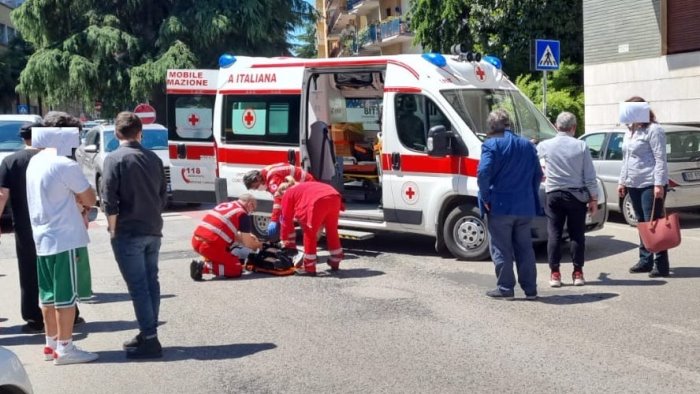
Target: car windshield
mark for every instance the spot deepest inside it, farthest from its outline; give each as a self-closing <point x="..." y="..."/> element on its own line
<point x="683" y="146"/>
<point x="474" y="106"/>
<point x="152" y="139"/>
<point x="10" y="140"/>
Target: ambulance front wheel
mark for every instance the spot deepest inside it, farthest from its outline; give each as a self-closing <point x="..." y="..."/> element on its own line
<point x="260" y="226"/>
<point x="465" y="233"/>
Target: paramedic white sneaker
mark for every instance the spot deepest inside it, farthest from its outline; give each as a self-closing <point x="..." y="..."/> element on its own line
<point x="298" y="260"/>
<point x="74" y="355"/>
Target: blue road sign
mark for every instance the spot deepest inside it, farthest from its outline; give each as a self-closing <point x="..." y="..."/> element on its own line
<point x="546" y="55"/>
<point x="22" y="109"/>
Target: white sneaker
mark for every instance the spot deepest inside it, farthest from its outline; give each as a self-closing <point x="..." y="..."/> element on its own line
<point x="74" y="355"/>
<point x="298" y="260"/>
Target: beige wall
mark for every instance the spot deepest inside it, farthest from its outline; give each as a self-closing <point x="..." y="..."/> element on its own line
<point x="671" y="84"/>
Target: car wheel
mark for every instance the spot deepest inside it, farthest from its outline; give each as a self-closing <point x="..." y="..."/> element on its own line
<point x="628" y="211"/>
<point x="260" y="225"/>
<point x="465" y="233"/>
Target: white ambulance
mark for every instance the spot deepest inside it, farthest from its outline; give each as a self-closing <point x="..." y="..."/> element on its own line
<point x="403" y="137"/>
<point x="190" y="112"/>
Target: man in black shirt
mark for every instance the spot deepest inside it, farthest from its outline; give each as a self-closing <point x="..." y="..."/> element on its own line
<point x="13" y="187"/>
<point x="134" y="196"/>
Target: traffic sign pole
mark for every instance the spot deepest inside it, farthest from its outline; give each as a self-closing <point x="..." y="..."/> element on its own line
<point x="544" y="92"/>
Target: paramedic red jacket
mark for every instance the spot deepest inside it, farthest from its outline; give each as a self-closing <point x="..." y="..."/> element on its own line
<point x="220" y="225"/>
<point x="298" y="202"/>
<point x="274" y="174"/>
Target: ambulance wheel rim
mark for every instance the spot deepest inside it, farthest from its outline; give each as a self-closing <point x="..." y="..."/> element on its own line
<point x="470" y="233"/>
<point x="260" y="224"/>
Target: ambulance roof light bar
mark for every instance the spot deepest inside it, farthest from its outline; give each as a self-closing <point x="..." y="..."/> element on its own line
<point x="226" y="60"/>
<point x="493" y="60"/>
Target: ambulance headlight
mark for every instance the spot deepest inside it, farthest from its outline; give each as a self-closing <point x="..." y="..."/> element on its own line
<point x="492" y="60"/>
<point x="435" y="58"/>
<point x="226" y="60"/>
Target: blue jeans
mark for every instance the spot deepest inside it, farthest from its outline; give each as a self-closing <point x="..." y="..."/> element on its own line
<point x="137" y="257"/>
<point x="642" y="202"/>
<point x="510" y="240"/>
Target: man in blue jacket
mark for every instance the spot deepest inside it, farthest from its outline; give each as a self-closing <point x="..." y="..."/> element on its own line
<point x="509" y="177"/>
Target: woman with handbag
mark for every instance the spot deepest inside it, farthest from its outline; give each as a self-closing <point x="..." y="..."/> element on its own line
<point x="644" y="176"/>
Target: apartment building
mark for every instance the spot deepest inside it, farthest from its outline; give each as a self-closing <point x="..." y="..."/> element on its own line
<point x="645" y="48"/>
<point x="364" y="28"/>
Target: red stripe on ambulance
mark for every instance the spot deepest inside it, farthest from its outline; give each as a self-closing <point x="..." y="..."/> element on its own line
<point x="255" y="157"/>
<point x="453" y="165"/>
<point x="193" y="152"/>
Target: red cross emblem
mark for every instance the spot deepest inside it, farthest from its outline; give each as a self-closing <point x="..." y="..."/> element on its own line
<point x="480" y="73"/>
<point x="410" y="193"/>
<point x="193" y="119"/>
<point x="249" y="118"/>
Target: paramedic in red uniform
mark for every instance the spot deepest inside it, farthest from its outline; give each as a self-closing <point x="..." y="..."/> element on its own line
<point x="270" y="178"/>
<point x="223" y="238"/>
<point x="314" y="205"/>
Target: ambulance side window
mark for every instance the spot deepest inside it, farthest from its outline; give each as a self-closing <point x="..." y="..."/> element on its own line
<point x="415" y="115"/>
<point x="190" y="118"/>
<point x="269" y="120"/>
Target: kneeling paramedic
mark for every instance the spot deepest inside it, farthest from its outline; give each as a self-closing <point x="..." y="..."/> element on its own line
<point x="270" y="178"/>
<point x="223" y="238"/>
<point x="314" y="205"/>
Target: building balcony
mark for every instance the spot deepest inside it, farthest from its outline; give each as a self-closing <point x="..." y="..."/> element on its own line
<point x="394" y="31"/>
<point x="362" y="7"/>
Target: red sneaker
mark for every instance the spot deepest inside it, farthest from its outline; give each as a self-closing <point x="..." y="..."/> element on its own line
<point x="577" y="277"/>
<point x="49" y="354"/>
<point x="555" y="279"/>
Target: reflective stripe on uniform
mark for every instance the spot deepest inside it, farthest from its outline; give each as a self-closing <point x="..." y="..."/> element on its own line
<point x="216" y="231"/>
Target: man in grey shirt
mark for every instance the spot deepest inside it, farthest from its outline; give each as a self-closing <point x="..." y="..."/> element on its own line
<point x="570" y="185"/>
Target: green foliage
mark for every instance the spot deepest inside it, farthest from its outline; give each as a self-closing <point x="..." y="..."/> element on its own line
<point x="118" y="51"/>
<point x="306" y="48"/>
<point x="563" y="92"/>
<point x="504" y="28"/>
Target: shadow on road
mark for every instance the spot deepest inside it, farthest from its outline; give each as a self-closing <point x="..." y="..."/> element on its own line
<point x="204" y="353"/>
<point x="597" y="247"/>
<point x="106" y="298"/>
<point x="605" y="280"/>
<point x="572" y="299"/>
<point x="685" y="272"/>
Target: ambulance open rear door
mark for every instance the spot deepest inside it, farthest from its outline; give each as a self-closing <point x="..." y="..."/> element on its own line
<point x="190" y="114"/>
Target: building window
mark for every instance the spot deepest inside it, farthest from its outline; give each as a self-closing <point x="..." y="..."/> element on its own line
<point x="683" y="29"/>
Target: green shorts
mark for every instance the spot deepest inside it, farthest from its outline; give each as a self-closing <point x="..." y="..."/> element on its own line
<point x="64" y="278"/>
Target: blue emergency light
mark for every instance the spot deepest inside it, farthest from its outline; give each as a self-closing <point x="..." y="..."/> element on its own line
<point x="226" y="60"/>
<point x="492" y="60"/>
<point x="435" y="58"/>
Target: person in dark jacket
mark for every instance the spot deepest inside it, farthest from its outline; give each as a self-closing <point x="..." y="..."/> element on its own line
<point x="509" y="177"/>
<point x="134" y="197"/>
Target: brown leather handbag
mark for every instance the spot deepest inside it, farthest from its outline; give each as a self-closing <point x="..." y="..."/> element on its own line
<point x="660" y="234"/>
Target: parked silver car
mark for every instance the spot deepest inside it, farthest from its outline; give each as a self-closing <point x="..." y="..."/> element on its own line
<point x="683" y="156"/>
<point x="100" y="141"/>
<point x="13" y="377"/>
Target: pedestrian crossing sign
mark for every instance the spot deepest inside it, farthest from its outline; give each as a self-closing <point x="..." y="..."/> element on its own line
<point x="546" y="55"/>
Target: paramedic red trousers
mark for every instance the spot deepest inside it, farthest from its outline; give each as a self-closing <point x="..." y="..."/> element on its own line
<point x="326" y="214"/>
<point x="220" y="261"/>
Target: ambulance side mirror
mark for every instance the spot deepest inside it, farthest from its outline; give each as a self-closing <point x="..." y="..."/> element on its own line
<point x="438" y="141"/>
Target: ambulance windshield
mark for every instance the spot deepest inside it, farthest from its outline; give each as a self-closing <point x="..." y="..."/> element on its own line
<point x="474" y="106"/>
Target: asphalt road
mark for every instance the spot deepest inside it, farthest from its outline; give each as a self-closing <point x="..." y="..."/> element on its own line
<point x="395" y="319"/>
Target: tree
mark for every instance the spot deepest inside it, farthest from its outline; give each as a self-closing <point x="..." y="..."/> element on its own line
<point x="118" y="51"/>
<point x="12" y="61"/>
<point x="563" y="92"/>
<point x="504" y="28"/>
<point x="306" y="46"/>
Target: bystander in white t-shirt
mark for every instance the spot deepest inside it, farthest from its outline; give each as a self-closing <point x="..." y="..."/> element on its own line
<point x="52" y="184"/>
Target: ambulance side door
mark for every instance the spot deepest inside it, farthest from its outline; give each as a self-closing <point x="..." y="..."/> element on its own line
<point x="411" y="178"/>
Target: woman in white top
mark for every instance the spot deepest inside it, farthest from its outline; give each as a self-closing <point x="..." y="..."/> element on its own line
<point x="644" y="176"/>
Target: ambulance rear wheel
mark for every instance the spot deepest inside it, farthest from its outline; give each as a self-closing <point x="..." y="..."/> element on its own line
<point x="260" y="225"/>
<point x="465" y="233"/>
